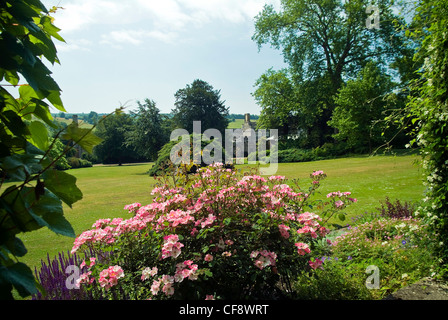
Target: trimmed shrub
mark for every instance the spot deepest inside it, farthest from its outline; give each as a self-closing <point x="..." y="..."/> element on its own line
<point x="164" y="163"/>
<point x="75" y="162"/>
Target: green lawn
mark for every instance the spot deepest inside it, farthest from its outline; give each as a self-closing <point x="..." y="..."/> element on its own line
<point x="238" y="123"/>
<point x="107" y="189"/>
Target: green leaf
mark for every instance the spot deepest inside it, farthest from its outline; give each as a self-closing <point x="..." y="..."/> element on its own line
<point x="341" y="216"/>
<point x="50" y="29"/>
<point x="14" y="123"/>
<point x="15" y="246"/>
<point x="39" y="134"/>
<point x="63" y="185"/>
<point x="16" y="215"/>
<point x="42" y="111"/>
<point x="23" y="212"/>
<point x="21" y="277"/>
<point x="208" y="273"/>
<point x="82" y="136"/>
<point x="55" y="98"/>
<point x="43" y="45"/>
<point x="11" y="77"/>
<point x="19" y="166"/>
<point x="48" y="212"/>
<point x="38" y="77"/>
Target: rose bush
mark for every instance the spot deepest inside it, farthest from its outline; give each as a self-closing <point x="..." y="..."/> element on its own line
<point x="215" y="234"/>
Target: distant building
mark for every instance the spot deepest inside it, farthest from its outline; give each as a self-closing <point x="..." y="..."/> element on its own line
<point x="247" y="125"/>
<point x="248" y="133"/>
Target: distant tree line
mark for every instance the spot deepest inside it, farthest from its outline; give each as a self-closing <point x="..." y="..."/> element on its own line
<point x="139" y="135"/>
<point x="92" y="117"/>
<point x="234" y="116"/>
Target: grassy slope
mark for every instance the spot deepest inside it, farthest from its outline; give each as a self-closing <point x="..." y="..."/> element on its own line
<point x="238" y="123"/>
<point x="107" y="189"/>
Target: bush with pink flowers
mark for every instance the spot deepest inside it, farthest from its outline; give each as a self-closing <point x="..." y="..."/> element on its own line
<point x="218" y="233"/>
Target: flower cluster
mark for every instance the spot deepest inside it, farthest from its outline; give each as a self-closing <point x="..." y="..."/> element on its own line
<point x="317" y="176"/>
<point x="341" y="199"/>
<point x="149" y="272"/>
<point x="109" y="277"/>
<point x="284" y="230"/>
<point x="186" y="269"/>
<point x="316" y="263"/>
<point x="302" y="248"/>
<point x="263" y="258"/>
<point x="171" y="246"/>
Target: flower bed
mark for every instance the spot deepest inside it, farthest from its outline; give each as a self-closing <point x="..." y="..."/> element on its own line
<point x="214" y="234"/>
<point x="401" y="250"/>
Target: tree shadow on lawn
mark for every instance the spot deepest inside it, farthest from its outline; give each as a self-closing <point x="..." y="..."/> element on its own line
<point x="122" y="165"/>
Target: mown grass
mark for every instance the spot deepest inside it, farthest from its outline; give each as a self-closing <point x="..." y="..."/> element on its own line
<point x="107" y="189"/>
<point x="238" y="123"/>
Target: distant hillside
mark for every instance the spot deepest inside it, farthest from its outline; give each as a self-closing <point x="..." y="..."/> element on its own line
<point x="81" y="123"/>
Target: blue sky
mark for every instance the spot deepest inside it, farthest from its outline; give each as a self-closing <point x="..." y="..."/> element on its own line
<point x="118" y="52"/>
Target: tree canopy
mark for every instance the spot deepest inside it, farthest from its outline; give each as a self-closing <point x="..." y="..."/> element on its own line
<point x="149" y="131"/>
<point x="325" y="43"/>
<point x="199" y="101"/>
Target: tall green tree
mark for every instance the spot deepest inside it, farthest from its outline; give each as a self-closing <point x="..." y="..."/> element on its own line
<point x="360" y="104"/>
<point x="199" y="101"/>
<point x="329" y="36"/>
<point x="276" y="94"/>
<point x="149" y="132"/>
<point x="324" y="43"/>
<point x="114" y="149"/>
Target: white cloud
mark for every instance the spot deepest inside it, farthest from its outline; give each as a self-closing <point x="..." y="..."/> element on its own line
<point x="165" y="14"/>
<point x="74" y="45"/>
<point x="82" y="14"/>
<point x="163" y="20"/>
<point x="136" y="37"/>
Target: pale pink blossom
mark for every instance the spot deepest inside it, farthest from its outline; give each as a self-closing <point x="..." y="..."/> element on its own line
<point x="284" y="230"/>
<point x="302" y="248"/>
<point x="149" y="272"/>
<point x="309" y="230"/>
<point x="265" y="259"/>
<point x="84" y="278"/>
<point x="109" y="277"/>
<point x="338" y="203"/>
